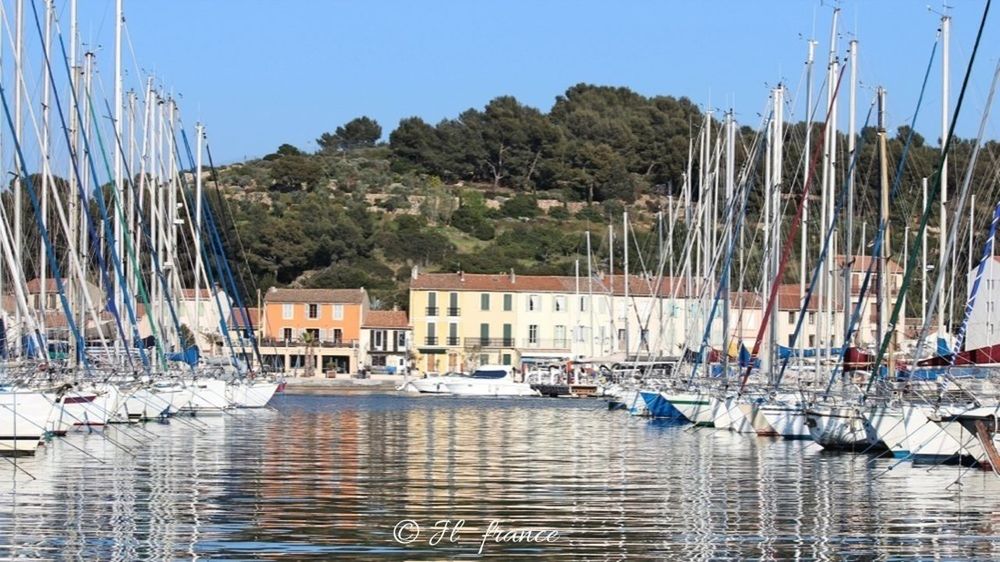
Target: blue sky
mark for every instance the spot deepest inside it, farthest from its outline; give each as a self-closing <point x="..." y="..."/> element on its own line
<point x="260" y="73"/>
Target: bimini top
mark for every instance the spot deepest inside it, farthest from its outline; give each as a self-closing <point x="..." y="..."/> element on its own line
<point x="492" y="372"/>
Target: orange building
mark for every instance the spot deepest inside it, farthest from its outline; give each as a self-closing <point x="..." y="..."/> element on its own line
<point x="312" y="332"/>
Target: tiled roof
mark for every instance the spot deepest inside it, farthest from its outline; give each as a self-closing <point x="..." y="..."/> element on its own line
<point x="386" y="319"/>
<point x="240" y="317"/>
<point x="507" y="282"/>
<point x="189" y="293"/>
<point x="35" y="285"/>
<point x="316" y="296"/>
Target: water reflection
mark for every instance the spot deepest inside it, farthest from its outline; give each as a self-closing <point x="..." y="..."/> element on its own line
<point x="324" y="477"/>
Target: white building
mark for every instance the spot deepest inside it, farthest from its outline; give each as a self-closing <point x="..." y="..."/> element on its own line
<point x="984" y="322"/>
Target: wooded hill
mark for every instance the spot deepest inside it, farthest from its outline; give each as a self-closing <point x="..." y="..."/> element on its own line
<point x="510" y="186"/>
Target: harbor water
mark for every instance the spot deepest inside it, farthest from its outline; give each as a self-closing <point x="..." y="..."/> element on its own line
<point x="375" y="477"/>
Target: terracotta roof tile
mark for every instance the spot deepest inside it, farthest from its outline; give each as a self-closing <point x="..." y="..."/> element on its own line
<point x="638" y="285"/>
<point x="386" y="319"/>
<point x="318" y="296"/>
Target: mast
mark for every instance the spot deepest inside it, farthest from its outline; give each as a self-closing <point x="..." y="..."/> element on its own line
<point x="942" y="251"/>
<point x="923" y="269"/>
<point x="625" y="259"/>
<point x="768" y="251"/>
<point x="590" y="295"/>
<point x="883" y="277"/>
<point x="806" y="151"/>
<point x="47" y="170"/>
<point x="119" y="293"/>
<point x="18" y="130"/>
<point x="777" y="153"/>
<point x="730" y="174"/>
<point x="611" y="284"/>
<point x="199" y="133"/>
<point x="851" y="148"/>
<point x="831" y="185"/>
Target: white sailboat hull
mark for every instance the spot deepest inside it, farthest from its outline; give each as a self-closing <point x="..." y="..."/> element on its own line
<point x="23" y="418"/>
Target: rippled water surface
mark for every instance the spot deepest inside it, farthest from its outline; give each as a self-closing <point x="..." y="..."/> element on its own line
<point x="328" y="477"/>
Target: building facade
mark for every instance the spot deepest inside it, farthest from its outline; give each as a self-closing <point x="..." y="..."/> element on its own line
<point x="464" y="320"/>
<point x="386" y="337"/>
<point x="313" y="332"/>
<point x="984" y="321"/>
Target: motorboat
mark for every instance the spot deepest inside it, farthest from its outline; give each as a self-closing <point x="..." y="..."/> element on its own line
<point x="490" y="380"/>
<point x="433" y="384"/>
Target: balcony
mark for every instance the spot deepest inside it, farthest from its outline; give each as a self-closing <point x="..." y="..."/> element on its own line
<point x="430" y="340"/>
<point x="453" y="311"/>
<point x="297" y="342"/>
<point x="485" y="343"/>
<point x="558" y="344"/>
<point x="432" y="311"/>
<point x="454" y="340"/>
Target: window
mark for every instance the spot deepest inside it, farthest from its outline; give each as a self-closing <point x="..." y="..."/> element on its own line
<point x="484" y="359"/>
<point x="338" y="335"/>
<point x="508" y="338"/>
<point x="791" y="317"/>
<point x="508" y="302"/>
<point x="313" y="311"/>
<point x="484" y="334"/>
<point x="484" y="301"/>
<point x="431" y="334"/>
<point x="812" y="320"/>
<point x="506" y="359"/>
<point x="378" y="361"/>
<point x="401" y="339"/>
<point x="560" y="336"/>
<point x="559" y="303"/>
<point x="534" y="303"/>
<point x="453" y="334"/>
<point x="578" y="334"/>
<point x="378" y="338"/>
<point x="583" y="304"/>
<point x="287" y="311"/>
<point x="453" y="304"/>
<point x="286" y="334"/>
<point x="533" y="333"/>
<point x="338" y="312"/>
<point x="312" y="334"/>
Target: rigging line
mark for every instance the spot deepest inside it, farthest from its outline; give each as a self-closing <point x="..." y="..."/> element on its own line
<point x="988" y="247"/>
<point x="817" y="269"/>
<point x="790" y="237"/>
<point x="97" y="190"/>
<point x="931" y="199"/>
<point x="145" y="234"/>
<point x="206" y="248"/>
<point x="730" y="252"/>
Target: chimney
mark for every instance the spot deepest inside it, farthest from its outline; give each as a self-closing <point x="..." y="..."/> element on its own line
<point x="414" y="272"/>
<point x="513" y="277"/>
<point x="461" y="275"/>
<point x="600" y="274"/>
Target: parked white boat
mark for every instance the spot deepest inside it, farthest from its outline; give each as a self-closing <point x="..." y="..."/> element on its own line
<point x="208" y="397"/>
<point x="436" y="384"/>
<point x="23" y="418"/>
<point x="490" y="380"/>
<point x="696" y="406"/>
<point x="250" y="394"/>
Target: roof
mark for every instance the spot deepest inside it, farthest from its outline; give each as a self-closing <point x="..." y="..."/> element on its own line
<point x="240" y="317"/>
<point x="51" y="286"/>
<point x="386" y="319"/>
<point x="861" y="263"/>
<point x="509" y="282"/>
<point x="190" y="293"/>
<point x="316" y="296"/>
